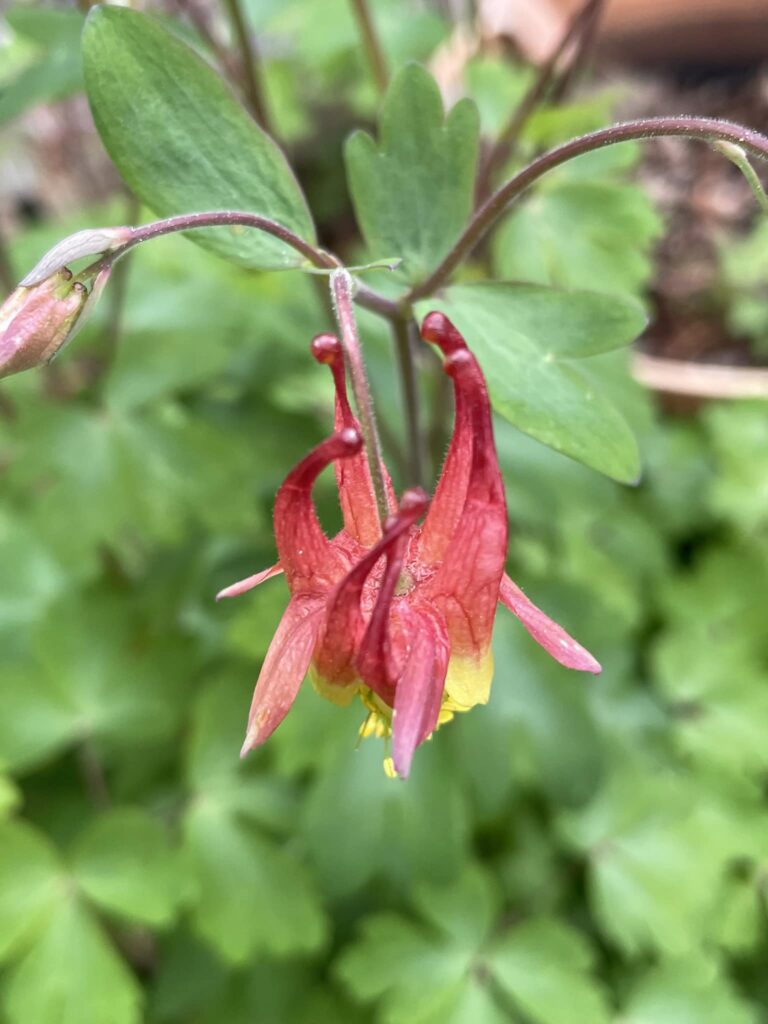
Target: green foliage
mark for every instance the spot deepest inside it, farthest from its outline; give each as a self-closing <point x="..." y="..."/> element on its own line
<point x="580" y="234"/>
<point x="413" y="193"/>
<point x="744" y="266"/>
<point x="53" y="69"/>
<point x="188" y="145"/>
<point x="578" y="851"/>
<point x="527" y="339"/>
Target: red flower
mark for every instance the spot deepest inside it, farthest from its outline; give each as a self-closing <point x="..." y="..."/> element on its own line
<point x="403" y="618"/>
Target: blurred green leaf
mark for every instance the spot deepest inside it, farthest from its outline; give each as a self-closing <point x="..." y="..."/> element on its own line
<point x="655" y="856"/>
<point x="413" y="193"/>
<point x="57" y="72"/>
<point x="72" y="975"/>
<point x="31" y="884"/>
<point x="739" y="438"/>
<point x="686" y="993"/>
<point x="422" y="971"/>
<point x="189" y="146"/>
<point x="719" y="705"/>
<point x="543" y="966"/>
<point x="527" y="339"/>
<point x="91" y="676"/>
<point x="10" y="797"/>
<point x="124" y="863"/>
<point x="497" y="86"/>
<point x="32" y="577"/>
<point x="249" y="894"/>
<point x="744" y="265"/>
<point x="589" y="234"/>
<point x="401" y="833"/>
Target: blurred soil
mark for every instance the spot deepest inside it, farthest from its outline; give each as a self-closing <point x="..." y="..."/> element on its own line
<point x="704" y="199"/>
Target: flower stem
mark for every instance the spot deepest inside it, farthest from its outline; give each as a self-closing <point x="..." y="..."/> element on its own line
<point x="738" y="157"/>
<point x="371" y="43"/>
<point x="405" y="361"/>
<point x="706" y="129"/>
<point x="249" y="64"/>
<point x="226" y="218"/>
<point x="342" y="290"/>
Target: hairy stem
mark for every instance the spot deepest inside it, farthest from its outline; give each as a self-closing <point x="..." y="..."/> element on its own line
<point x="705" y="129"/>
<point x="222" y="218"/>
<point x="342" y="288"/>
<point x="249" y="64"/>
<point x="371" y="43"/>
<point x="402" y="330"/>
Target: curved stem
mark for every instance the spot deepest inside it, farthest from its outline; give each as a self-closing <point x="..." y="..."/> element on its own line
<point x="342" y="290"/>
<point x="227" y="218"/>
<point x="223" y="218"/>
<point x="707" y="129"/>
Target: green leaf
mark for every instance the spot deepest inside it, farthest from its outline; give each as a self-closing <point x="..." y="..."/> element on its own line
<point x="32" y="577"/>
<point x="91" y="675"/>
<point x="135" y="476"/>
<point x="413" y="193"/>
<point x="407" y="832"/>
<point x="527" y="339"/>
<point x="686" y="992"/>
<point x="738" y="435"/>
<point x="544" y="966"/>
<point x="10" y="797"/>
<point x="422" y="973"/>
<point x="589" y="234"/>
<point x="181" y="140"/>
<point x="31" y="883"/>
<point x="124" y="863"/>
<point x="657" y="850"/>
<point x="57" y="73"/>
<point x="249" y="894"/>
<point x="72" y="975"/>
<point x="719" y="705"/>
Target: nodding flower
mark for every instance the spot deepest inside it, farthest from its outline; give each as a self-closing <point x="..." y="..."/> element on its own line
<point x="399" y="615"/>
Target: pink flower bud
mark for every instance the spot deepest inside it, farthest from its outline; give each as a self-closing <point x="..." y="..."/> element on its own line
<point x="36" y="321"/>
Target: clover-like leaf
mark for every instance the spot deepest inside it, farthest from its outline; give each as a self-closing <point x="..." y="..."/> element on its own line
<point x="413" y="192"/>
<point x="72" y="975"/>
<point x="124" y="863"/>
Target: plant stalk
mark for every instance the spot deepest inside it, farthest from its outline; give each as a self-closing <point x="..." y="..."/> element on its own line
<point x="223" y="218"/>
<point x="249" y="63"/>
<point x="371" y="44"/>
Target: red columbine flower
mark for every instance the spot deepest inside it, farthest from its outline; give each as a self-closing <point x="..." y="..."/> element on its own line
<point x="401" y="617"/>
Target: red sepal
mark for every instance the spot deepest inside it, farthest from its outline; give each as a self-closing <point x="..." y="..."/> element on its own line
<point x="284" y="668"/>
<point x="548" y="634"/>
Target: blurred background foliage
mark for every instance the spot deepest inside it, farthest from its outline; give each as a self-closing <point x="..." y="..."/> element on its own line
<point x="577" y="852"/>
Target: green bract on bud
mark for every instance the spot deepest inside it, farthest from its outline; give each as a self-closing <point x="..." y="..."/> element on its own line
<point x="49" y="305"/>
<point x="89" y="242"/>
<point x="36" y="321"/>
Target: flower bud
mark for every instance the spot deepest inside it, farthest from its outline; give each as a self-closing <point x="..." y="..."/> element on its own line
<point x="36" y="321"/>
